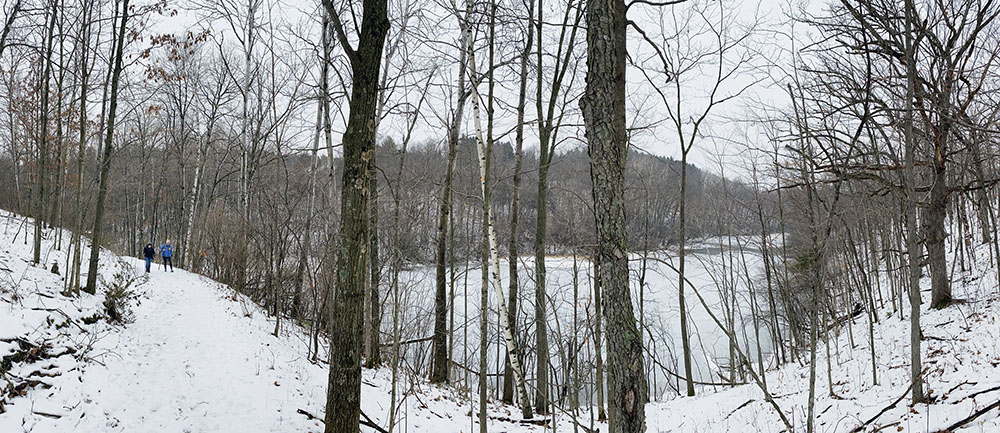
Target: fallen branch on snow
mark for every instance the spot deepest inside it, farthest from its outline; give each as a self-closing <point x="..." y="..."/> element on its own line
<point x="415" y="340"/>
<point x="367" y="422"/>
<point x="308" y="415"/>
<point x="745" y="404"/>
<point x="544" y="422"/>
<point x="884" y="410"/>
<point x="970" y="418"/>
<point x="977" y="393"/>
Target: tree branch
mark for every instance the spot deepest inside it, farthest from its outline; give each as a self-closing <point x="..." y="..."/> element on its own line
<point x="338" y="27"/>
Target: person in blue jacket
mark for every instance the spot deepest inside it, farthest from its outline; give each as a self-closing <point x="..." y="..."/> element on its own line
<point x="167" y="252"/>
<point x="149" y="253"/>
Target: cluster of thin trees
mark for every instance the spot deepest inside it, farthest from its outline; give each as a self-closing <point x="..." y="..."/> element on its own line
<point x="313" y="161"/>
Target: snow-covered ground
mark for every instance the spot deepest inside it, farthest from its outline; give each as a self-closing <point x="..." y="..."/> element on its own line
<point x="961" y="358"/>
<point x="199" y="358"/>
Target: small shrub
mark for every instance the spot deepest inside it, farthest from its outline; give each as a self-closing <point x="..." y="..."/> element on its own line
<point x="119" y="295"/>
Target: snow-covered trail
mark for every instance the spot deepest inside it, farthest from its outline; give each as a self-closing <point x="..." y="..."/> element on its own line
<point x="186" y="362"/>
<point x="192" y="361"/>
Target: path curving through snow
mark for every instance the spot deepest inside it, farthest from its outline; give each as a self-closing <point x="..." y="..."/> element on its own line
<point x="195" y="359"/>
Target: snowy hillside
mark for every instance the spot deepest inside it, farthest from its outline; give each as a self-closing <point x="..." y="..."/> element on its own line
<point x="199" y="358"/>
<point x="961" y="355"/>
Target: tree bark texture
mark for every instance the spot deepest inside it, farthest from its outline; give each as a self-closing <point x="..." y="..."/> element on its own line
<point x="343" y="407"/>
<point x="603" y="106"/>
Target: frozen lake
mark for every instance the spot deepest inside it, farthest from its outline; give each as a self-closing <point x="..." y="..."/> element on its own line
<point x="717" y="271"/>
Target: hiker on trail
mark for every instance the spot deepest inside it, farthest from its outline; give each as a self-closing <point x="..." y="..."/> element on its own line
<point x="149" y="253"/>
<point x="167" y="252"/>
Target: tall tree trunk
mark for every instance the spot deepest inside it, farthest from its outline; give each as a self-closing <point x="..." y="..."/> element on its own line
<point x="815" y="304"/>
<point x="603" y="106"/>
<point x="933" y="222"/>
<point x="343" y="407"/>
<point x="541" y="327"/>
<point x="42" y="138"/>
<point x="487" y="205"/>
<point x="182" y="204"/>
<point x="305" y="270"/>
<point x="485" y="152"/>
<point x="440" y="364"/>
<point x="512" y="247"/>
<point x="681" y="306"/>
<point x="56" y="219"/>
<point x="397" y="262"/>
<point x="491" y="236"/>
<point x="74" y="285"/>
<point x="191" y="254"/>
<point x="245" y="142"/>
<point x="548" y="125"/>
<point x="102" y="190"/>
<point x="912" y="242"/>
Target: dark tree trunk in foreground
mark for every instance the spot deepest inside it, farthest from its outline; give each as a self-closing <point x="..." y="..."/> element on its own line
<point x="102" y="191"/>
<point x="603" y="106"/>
<point x="343" y="405"/>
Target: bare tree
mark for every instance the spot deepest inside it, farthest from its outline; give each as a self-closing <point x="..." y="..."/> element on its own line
<point x="11" y="16"/>
<point x="548" y="129"/>
<point x="440" y="362"/>
<point x="512" y="246"/>
<point x="42" y="136"/>
<point x="343" y="407"/>
<point x="603" y="106"/>
<point x="700" y="41"/>
<point x="494" y="253"/>
<point x="102" y="192"/>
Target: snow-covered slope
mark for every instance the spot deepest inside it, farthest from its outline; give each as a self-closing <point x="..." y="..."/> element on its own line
<point x="200" y="358"/>
<point x="961" y="359"/>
